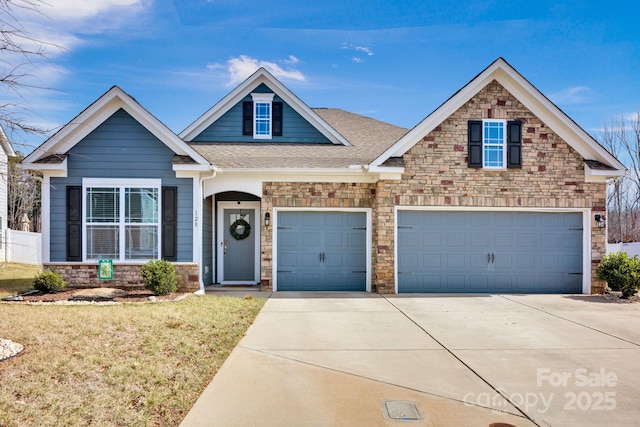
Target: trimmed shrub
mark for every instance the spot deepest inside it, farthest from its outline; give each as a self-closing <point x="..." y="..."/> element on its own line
<point x="160" y="277"/>
<point x="621" y="273"/>
<point x="614" y="269"/>
<point x="633" y="284"/>
<point x="49" y="282"/>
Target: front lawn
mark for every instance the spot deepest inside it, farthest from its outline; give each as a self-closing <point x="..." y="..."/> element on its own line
<point x="128" y="364"/>
<point x="16" y="278"/>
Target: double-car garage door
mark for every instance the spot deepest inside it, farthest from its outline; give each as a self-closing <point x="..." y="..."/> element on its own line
<point x="509" y="252"/>
<point x="437" y="251"/>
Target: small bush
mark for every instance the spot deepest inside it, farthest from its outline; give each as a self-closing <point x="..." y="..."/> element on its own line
<point x="614" y="269"/>
<point x="49" y="282"/>
<point x="621" y="273"/>
<point x="160" y="277"/>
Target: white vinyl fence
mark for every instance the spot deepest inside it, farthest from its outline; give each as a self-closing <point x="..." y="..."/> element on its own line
<point x="23" y="247"/>
<point x="631" y="249"/>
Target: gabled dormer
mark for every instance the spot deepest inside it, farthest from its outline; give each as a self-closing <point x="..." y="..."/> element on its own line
<point x="262" y="110"/>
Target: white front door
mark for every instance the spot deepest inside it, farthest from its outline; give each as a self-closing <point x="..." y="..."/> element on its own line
<point x="238" y="242"/>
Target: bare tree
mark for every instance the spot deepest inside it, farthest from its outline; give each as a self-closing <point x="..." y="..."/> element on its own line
<point x="622" y="139"/>
<point x="19" y="51"/>
<point x="23" y="196"/>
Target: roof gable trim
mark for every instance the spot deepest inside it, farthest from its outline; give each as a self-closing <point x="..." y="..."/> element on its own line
<point x="526" y="93"/>
<point x="97" y="113"/>
<point x="261" y="76"/>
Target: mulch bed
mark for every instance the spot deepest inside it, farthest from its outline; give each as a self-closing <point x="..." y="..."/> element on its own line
<point x="134" y="295"/>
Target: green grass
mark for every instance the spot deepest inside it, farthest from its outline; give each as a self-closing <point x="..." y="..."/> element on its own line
<point x="115" y="365"/>
<point x="16" y="278"/>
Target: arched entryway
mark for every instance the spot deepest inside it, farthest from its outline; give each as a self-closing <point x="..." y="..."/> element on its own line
<point x="236" y="238"/>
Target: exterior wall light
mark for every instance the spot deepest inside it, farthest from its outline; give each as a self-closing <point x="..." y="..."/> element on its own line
<point x="600" y="220"/>
<point x="267" y="219"/>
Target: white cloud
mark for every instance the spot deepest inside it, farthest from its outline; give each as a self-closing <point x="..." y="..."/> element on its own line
<point x="243" y="66"/>
<point x="359" y="50"/>
<point x="366" y="50"/>
<point x="572" y="95"/>
<point x="60" y="24"/>
<point x="82" y="9"/>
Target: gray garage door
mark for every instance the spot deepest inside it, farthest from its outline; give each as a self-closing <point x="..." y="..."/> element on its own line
<point x="510" y="252"/>
<point x="321" y="251"/>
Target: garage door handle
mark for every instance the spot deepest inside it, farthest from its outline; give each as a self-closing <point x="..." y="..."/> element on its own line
<point x="321" y="256"/>
<point x="493" y="257"/>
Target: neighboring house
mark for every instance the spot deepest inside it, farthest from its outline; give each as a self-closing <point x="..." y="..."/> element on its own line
<point x="5" y="153"/>
<point x="497" y="190"/>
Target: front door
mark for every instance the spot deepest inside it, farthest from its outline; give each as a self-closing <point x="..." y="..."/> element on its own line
<point x="238" y="240"/>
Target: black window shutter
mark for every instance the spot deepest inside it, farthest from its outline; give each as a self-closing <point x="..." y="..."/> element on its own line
<point x="170" y="223"/>
<point x="277" y="119"/>
<point x="475" y="143"/>
<point x="514" y="144"/>
<point x="247" y="118"/>
<point x="74" y="223"/>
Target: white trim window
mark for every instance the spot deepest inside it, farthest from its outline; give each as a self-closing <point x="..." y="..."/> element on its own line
<point x="121" y="219"/>
<point x="262" y="115"/>
<point x="494" y="144"/>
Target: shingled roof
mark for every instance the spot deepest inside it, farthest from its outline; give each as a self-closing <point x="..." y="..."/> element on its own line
<point x="369" y="139"/>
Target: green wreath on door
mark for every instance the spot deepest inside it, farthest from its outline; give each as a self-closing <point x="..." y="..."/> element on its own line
<point x="240" y="229"/>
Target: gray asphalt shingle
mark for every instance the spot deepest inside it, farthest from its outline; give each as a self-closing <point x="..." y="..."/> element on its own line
<point x="369" y="139"/>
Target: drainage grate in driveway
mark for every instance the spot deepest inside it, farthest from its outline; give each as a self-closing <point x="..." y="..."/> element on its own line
<point x="401" y="410"/>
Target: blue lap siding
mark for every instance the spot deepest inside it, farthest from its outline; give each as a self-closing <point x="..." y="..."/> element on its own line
<point x="120" y="148"/>
<point x="295" y="128"/>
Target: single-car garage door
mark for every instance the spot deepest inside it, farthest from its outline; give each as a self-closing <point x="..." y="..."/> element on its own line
<point x="510" y="252"/>
<point x="321" y="251"/>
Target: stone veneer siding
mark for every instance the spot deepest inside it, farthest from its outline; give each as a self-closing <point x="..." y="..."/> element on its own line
<point x="125" y="276"/>
<point x="436" y="174"/>
<point x="306" y="195"/>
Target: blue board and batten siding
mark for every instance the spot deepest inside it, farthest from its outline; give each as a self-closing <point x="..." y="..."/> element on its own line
<point x="295" y="128"/>
<point x="120" y="148"/>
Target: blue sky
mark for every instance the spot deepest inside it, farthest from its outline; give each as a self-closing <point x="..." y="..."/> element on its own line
<point x="395" y="61"/>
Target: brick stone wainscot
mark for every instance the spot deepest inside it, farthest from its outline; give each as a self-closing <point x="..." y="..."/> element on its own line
<point x="125" y="276"/>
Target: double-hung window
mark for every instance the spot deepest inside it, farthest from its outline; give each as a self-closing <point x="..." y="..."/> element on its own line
<point x="121" y="219"/>
<point x="494" y="144"/>
<point x="262" y="116"/>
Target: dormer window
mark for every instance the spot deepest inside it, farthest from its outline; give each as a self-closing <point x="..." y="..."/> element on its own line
<point x="262" y="117"/>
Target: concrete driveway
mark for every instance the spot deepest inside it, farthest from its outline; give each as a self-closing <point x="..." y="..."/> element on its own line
<point x="360" y="359"/>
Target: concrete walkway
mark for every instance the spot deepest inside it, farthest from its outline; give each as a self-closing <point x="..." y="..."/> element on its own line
<point x="357" y="359"/>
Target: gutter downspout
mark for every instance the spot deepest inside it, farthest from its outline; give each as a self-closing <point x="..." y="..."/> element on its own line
<point x="214" y="172"/>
